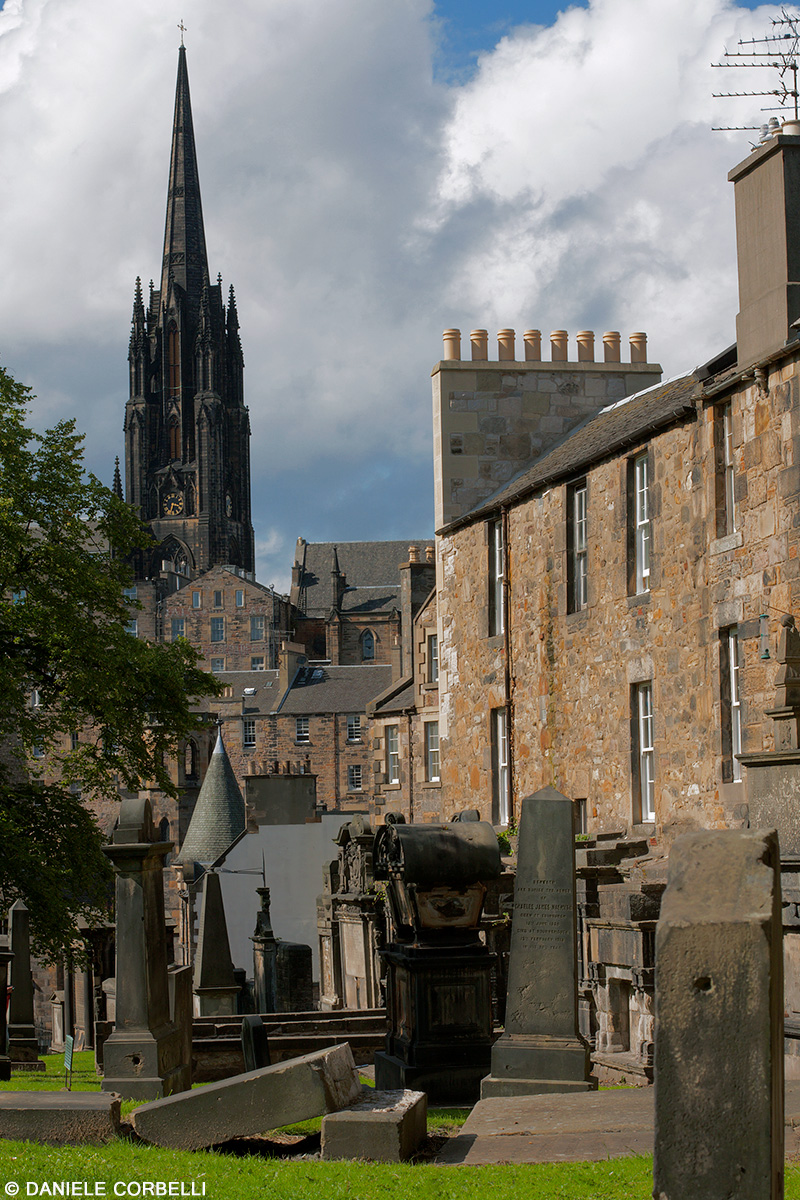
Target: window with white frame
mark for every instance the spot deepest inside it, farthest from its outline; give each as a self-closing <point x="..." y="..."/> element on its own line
<point x="731" y="704"/>
<point x="217" y="629"/>
<point x="354" y="777"/>
<point x="197" y="599"/>
<point x="577" y="547"/>
<point x="217" y="664"/>
<point x="132" y="627"/>
<point x="432" y="751"/>
<point x="726" y="466"/>
<point x="641" y="523"/>
<point x="249" y="731"/>
<point x="129" y="593"/>
<point x="497" y="567"/>
<point x="392" y="753"/>
<point x="433" y="658"/>
<point x="239" y="598"/>
<point x="257" y="625"/>
<point x="644" y="751"/>
<point x="501" y="792"/>
<point x="301" y="729"/>
<point x="178" y="628"/>
<point x="354" y="728"/>
<point x="257" y="662"/>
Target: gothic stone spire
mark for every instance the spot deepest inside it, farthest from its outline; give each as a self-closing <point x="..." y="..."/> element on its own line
<point x="185" y="261"/>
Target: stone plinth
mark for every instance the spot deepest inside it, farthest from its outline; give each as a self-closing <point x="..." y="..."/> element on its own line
<point x="439" y="1012"/>
<point x="541" y="1049"/>
<point x="719" y="1020"/>
<point x="381" y="1127"/>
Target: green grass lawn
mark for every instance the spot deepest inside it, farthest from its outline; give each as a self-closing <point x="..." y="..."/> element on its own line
<point x="228" y="1177"/>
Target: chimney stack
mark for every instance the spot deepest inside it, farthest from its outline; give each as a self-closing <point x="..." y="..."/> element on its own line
<point x="767" y="199"/>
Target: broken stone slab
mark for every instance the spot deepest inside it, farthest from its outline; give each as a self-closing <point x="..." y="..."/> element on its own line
<point x="59" y="1118"/>
<point x="249" y="1104"/>
<point x="382" y="1126"/>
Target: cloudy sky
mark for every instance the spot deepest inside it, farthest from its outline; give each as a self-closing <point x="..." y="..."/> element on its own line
<point x="372" y="173"/>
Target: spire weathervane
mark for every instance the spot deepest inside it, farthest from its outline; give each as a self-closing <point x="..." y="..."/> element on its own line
<point x="182" y="28"/>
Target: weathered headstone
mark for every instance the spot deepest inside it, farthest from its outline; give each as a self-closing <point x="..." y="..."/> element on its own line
<point x="214" y="984"/>
<point x="5" y="1062"/>
<point x="143" y="1057"/>
<point x="22" y="1044"/>
<point x="541" y="1049"/>
<point x="719" y="1020"/>
<point x="255" y="1043"/>
<point x="249" y="1104"/>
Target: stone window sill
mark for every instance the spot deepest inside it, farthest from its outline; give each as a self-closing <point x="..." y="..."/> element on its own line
<point x="431" y="783"/>
<point x="731" y="541"/>
<point x="639" y="599"/>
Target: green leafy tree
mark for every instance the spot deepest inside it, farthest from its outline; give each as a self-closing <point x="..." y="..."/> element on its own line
<point x="84" y="705"/>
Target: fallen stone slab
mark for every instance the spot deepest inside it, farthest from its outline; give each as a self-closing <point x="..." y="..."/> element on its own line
<point x="59" y="1118"/>
<point x="252" y="1103"/>
<point x="382" y="1127"/>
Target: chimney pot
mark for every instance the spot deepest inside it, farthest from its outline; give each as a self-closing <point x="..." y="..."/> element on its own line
<point x="558" y="345"/>
<point x="413" y="554"/>
<point x="533" y="345"/>
<point x="638" y="347"/>
<point x="505" y="345"/>
<point x="452" y="344"/>
<point x="586" y="346"/>
<point x="611" y="346"/>
<point x="480" y="345"/>
<point x="429" y="554"/>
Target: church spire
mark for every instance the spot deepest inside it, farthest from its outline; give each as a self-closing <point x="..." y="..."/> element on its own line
<point x="185" y="259"/>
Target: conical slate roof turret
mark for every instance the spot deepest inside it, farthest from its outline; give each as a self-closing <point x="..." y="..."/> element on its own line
<point x="219" y="816"/>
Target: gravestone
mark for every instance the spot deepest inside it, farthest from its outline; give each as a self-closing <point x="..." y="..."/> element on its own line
<point x="719" y="1020"/>
<point x="255" y="1043"/>
<point x="22" y="1044"/>
<point x="5" y="1062"/>
<point x="265" y="950"/>
<point x="541" y="1049"/>
<point x="215" y="987"/>
<point x="143" y="1058"/>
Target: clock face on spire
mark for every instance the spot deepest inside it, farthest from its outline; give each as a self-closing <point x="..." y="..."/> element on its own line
<point x="172" y="505"/>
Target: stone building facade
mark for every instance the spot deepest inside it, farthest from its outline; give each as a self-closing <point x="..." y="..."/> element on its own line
<point x="609" y="614"/>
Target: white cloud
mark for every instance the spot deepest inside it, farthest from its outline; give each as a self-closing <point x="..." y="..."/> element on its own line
<point x="359" y="207"/>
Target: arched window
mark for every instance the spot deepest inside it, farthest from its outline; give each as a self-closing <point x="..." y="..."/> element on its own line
<point x="190" y="759"/>
<point x="173" y="360"/>
<point x="368" y="645"/>
<point x="163" y="829"/>
<point x="174" y="439"/>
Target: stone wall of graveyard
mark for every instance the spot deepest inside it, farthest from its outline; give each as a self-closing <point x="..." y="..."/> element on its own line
<point x="569" y="676"/>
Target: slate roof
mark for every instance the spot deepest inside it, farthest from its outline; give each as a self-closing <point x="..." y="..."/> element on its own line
<point x="327" y="689"/>
<point x="615" y="428"/>
<point x="398" y="698"/>
<point x="219" y="815"/>
<point x="372" y="568"/>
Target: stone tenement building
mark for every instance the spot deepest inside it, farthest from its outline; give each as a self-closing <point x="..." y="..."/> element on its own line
<point x="609" y="610"/>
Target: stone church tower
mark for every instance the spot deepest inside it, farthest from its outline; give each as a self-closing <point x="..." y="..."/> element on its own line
<point x="187" y="430"/>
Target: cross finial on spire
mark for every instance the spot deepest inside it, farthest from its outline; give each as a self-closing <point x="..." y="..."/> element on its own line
<point x="182" y="28"/>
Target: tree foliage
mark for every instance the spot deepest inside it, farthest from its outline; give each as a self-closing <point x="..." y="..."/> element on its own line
<point x="84" y="705"/>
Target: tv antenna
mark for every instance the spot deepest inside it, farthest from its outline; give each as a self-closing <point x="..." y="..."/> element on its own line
<point x="779" y="52"/>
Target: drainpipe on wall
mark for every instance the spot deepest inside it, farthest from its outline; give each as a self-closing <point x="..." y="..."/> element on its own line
<point x="507" y="661"/>
<point x="410" y="772"/>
